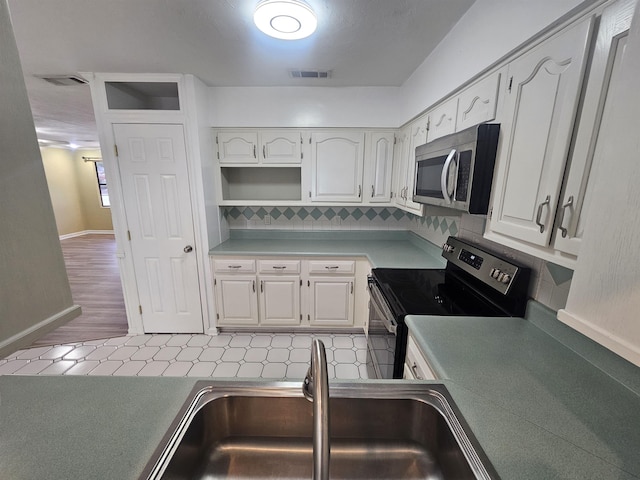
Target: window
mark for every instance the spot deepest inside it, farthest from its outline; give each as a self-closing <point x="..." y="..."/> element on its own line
<point x="102" y="184"/>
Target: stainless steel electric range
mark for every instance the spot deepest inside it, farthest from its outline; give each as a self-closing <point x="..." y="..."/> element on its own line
<point x="474" y="282"/>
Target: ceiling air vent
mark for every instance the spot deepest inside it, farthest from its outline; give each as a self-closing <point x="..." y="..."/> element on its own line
<point x="310" y="73"/>
<point x="63" y="80"/>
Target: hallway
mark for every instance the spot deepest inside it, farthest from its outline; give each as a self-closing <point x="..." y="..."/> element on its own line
<point x="94" y="278"/>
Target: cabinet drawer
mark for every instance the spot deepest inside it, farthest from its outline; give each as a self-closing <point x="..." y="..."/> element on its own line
<point x="332" y="267"/>
<point x="417" y="364"/>
<point x="233" y="265"/>
<point x="282" y="266"/>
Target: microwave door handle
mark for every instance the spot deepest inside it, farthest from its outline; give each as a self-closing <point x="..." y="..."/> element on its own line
<point x="444" y="177"/>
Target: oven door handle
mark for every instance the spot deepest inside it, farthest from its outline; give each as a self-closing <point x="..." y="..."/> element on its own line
<point x="445" y="177"/>
<point x="390" y="325"/>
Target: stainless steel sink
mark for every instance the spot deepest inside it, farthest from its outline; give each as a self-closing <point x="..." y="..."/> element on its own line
<point x="259" y="430"/>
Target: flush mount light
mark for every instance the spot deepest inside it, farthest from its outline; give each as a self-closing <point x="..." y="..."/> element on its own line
<point x="285" y="19"/>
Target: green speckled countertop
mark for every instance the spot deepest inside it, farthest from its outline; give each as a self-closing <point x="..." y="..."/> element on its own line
<point x="399" y="249"/>
<point x="544" y="401"/>
<point x="67" y="428"/>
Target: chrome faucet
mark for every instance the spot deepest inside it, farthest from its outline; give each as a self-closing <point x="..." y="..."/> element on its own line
<point x="315" y="388"/>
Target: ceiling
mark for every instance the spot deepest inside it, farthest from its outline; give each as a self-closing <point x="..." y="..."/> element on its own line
<point x="362" y="43"/>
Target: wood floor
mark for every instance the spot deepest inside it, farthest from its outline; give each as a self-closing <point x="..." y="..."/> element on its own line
<point x="93" y="273"/>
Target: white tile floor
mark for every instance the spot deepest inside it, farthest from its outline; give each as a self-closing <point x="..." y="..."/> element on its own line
<point x="269" y="356"/>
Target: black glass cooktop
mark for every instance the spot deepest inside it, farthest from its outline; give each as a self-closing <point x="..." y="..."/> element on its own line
<point x="432" y="292"/>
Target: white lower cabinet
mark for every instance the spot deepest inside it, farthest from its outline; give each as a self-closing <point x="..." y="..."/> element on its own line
<point x="237" y="299"/>
<point x="280" y="300"/>
<point x="331" y="301"/>
<point x="416" y="366"/>
<point x="286" y="293"/>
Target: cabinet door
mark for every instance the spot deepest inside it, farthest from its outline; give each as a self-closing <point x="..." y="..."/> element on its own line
<point x="336" y="166"/>
<point x="237" y="147"/>
<point x="279" y="300"/>
<point x="281" y="146"/>
<point x="540" y="107"/>
<point x="237" y="299"/>
<point x="400" y="168"/>
<point x="379" y="166"/>
<point x="605" y="67"/>
<point x="442" y="120"/>
<point x="416" y="366"/>
<point x="417" y="137"/>
<point x="477" y="104"/>
<point x="331" y="301"/>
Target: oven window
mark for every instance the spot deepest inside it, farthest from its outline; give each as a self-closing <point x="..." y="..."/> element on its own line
<point x="381" y="344"/>
<point x="428" y="177"/>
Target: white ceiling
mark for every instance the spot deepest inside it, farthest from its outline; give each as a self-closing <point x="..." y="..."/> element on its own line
<point x="363" y="43"/>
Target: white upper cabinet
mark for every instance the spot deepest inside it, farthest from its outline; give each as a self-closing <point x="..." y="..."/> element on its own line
<point x="417" y="137"/>
<point x="337" y="159"/>
<point x="379" y="165"/>
<point x="543" y="89"/>
<point x="246" y="147"/>
<point x="442" y="120"/>
<point x="399" y="168"/>
<point x="281" y="146"/>
<point x="408" y="139"/>
<point x="605" y="67"/>
<point x="477" y="104"/>
<point x="237" y="147"/>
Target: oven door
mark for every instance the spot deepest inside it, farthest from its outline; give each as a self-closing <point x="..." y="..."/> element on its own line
<point x="382" y="335"/>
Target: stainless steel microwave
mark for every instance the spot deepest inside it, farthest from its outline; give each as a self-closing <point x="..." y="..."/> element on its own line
<point x="456" y="171"/>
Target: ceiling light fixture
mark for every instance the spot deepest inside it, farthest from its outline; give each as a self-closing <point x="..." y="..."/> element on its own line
<point x="285" y="19"/>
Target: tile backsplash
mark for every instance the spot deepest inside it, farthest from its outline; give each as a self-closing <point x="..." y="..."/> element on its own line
<point x="550" y="283"/>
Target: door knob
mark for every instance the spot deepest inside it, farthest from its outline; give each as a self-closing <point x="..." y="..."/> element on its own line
<point x="188" y="249"/>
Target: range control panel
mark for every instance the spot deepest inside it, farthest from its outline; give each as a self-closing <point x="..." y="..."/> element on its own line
<point x="497" y="272"/>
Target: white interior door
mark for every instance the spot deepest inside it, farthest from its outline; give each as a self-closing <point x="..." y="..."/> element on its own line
<point x="153" y="168"/>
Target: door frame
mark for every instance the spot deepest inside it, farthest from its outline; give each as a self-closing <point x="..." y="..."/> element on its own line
<point x="186" y="116"/>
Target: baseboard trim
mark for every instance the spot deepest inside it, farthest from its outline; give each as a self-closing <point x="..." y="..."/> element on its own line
<point x="86" y="232"/>
<point x="607" y="339"/>
<point x="31" y="334"/>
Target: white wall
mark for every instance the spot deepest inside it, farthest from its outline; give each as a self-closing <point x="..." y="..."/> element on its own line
<point x="34" y="290"/>
<point x="304" y="106"/>
<point x="488" y="30"/>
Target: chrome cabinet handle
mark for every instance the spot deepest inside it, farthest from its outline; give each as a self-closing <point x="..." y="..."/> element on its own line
<point x="188" y="249"/>
<point x="261" y="286"/>
<point x="254" y="286"/>
<point x="235" y="266"/>
<point x="547" y="201"/>
<point x="264" y="151"/>
<point x="279" y="267"/>
<point x="569" y="204"/>
<point x="351" y="283"/>
<point x="414" y="369"/>
<point x="254" y="151"/>
<point x="373" y="190"/>
<point x="359" y="191"/>
<point x="331" y="267"/>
